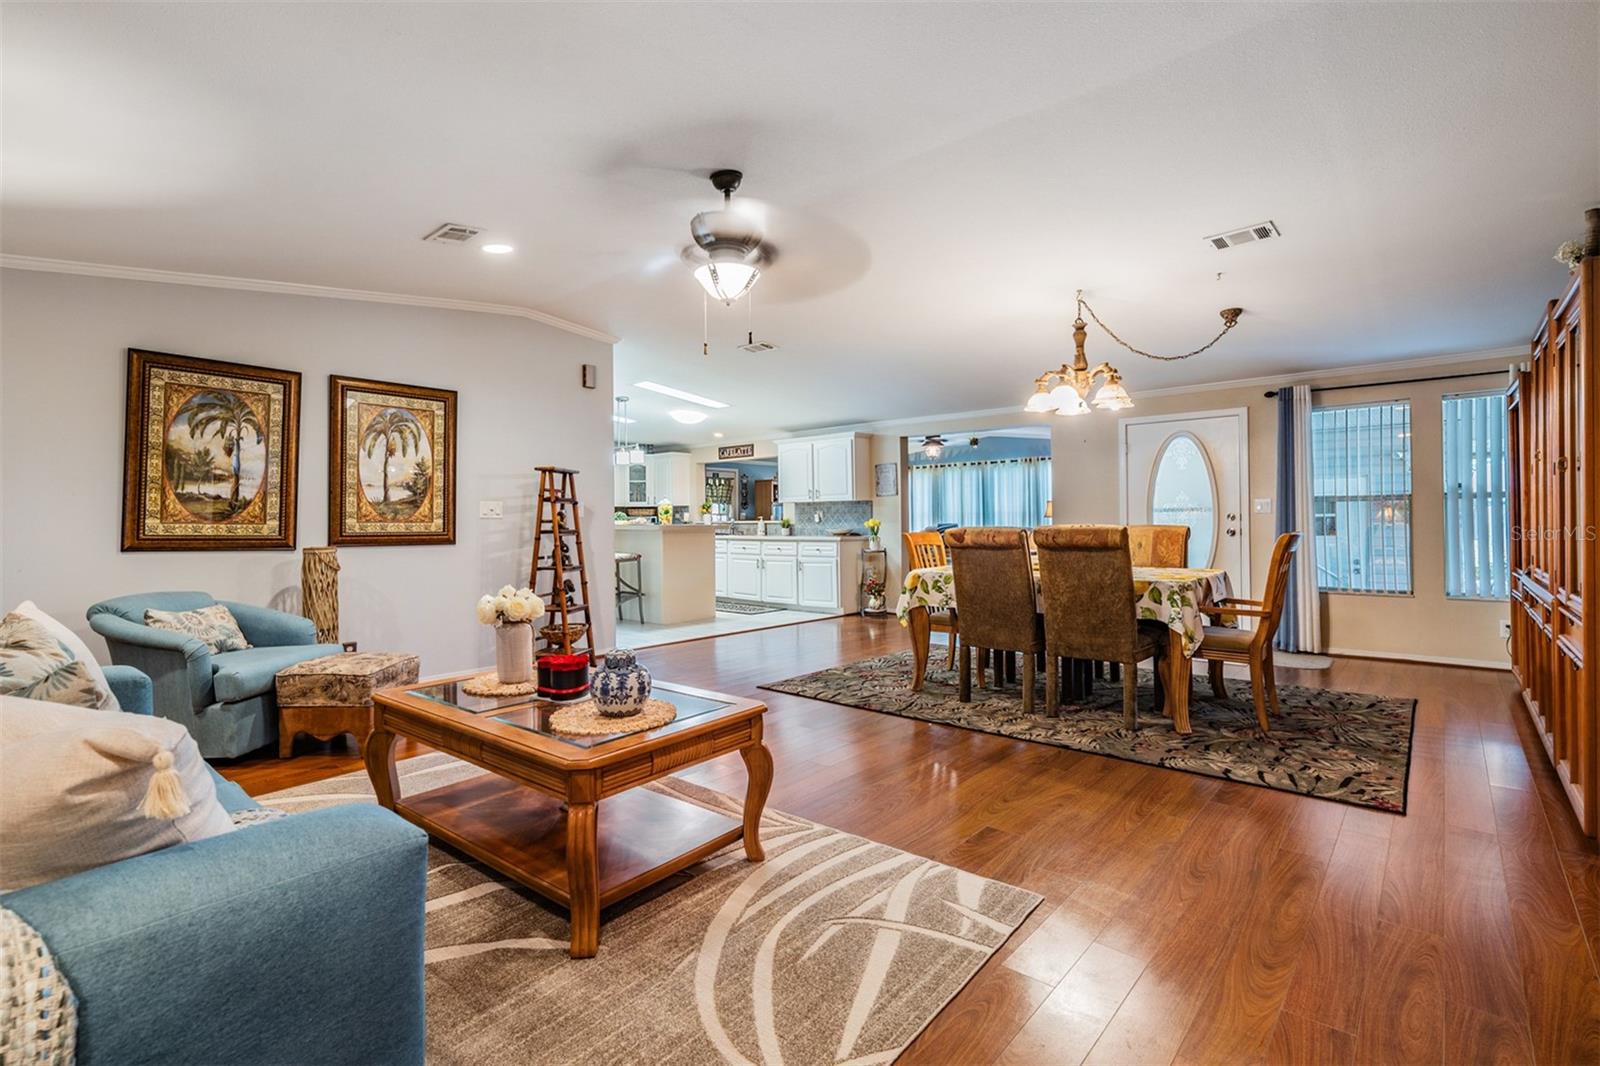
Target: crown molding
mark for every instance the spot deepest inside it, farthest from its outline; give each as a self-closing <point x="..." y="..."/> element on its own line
<point x="292" y="288"/>
<point x="1326" y="374"/>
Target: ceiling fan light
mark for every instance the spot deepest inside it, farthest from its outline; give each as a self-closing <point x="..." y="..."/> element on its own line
<point x="726" y="281"/>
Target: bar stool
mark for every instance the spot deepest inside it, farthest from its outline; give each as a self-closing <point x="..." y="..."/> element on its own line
<point x="627" y="590"/>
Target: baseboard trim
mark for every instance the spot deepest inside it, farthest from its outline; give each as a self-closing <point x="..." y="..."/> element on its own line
<point x="1407" y="657"/>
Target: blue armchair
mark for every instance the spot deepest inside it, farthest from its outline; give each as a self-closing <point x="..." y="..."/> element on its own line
<point x="297" y="940"/>
<point x="227" y="701"/>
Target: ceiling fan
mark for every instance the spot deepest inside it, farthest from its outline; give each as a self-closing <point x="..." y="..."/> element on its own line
<point x="730" y="245"/>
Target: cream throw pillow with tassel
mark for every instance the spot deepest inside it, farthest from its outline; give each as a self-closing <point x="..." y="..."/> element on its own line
<point x="84" y="788"/>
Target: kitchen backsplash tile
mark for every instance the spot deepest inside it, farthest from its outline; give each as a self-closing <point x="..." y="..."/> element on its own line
<point x="834" y="516"/>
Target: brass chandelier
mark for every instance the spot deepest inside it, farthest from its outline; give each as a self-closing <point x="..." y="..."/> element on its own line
<point x="1074" y="388"/>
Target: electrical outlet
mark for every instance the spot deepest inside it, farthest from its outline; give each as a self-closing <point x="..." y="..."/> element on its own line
<point x="1262" y="506"/>
<point x="1505" y="628"/>
<point x="816" y="517"/>
<point x="491" y="509"/>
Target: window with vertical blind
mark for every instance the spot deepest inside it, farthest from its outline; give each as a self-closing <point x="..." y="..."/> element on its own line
<point x="1361" y="489"/>
<point x="1475" y="507"/>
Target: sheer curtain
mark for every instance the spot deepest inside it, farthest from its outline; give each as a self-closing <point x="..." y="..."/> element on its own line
<point x="1005" y="492"/>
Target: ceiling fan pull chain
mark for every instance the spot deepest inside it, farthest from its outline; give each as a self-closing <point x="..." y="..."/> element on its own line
<point x="705" y="326"/>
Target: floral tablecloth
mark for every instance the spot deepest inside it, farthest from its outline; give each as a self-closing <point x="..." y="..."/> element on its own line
<point x="1171" y="596"/>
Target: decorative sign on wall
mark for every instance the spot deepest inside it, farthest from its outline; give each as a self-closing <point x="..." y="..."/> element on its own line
<point x="210" y="459"/>
<point x="886" y="479"/>
<point x="736" y="451"/>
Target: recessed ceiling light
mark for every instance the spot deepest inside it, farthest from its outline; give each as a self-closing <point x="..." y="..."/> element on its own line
<point x="667" y="390"/>
<point x="717" y="435"/>
<point x="688" y="418"/>
<point x="498" y="249"/>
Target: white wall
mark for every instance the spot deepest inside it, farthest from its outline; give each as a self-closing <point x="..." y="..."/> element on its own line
<point x="63" y="373"/>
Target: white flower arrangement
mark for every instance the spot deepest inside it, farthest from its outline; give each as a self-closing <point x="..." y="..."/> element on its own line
<point x="1570" y="254"/>
<point x="510" y="605"/>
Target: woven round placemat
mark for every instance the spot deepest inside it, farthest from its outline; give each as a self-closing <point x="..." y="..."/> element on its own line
<point x="489" y="685"/>
<point x="585" y="720"/>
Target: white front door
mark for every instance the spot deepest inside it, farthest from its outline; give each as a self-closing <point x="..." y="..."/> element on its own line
<point x="1192" y="470"/>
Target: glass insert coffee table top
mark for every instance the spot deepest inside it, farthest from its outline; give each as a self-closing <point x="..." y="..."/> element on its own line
<point x="534" y="714"/>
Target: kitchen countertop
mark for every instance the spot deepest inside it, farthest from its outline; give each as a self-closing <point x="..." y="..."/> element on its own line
<point x="654" y="527"/>
<point x="795" y="536"/>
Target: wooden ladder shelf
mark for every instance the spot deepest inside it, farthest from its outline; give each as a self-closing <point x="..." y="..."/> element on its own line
<point x="557" y="514"/>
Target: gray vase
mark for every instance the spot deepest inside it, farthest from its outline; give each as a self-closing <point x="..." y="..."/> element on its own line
<point x="621" y="687"/>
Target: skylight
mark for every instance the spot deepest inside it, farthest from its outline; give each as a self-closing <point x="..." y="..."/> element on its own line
<point x="668" y="390"/>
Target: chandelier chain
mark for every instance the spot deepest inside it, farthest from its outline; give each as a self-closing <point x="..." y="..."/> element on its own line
<point x="1228" y="323"/>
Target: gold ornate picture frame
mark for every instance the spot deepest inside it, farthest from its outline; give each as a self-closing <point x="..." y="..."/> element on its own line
<point x="210" y="456"/>
<point x="391" y="463"/>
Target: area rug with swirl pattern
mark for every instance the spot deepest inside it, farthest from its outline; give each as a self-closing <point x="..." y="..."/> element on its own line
<point x="1346" y="746"/>
<point x="835" y="949"/>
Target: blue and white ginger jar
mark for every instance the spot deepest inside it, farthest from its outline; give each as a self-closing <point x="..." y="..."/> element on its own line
<point x="621" y="687"/>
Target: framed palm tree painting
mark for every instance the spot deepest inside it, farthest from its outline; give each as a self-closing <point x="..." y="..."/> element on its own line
<point x="391" y="463"/>
<point x="211" y="454"/>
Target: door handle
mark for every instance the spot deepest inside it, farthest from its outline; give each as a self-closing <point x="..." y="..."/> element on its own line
<point x="1233" y="517"/>
<point x="1233" y="532"/>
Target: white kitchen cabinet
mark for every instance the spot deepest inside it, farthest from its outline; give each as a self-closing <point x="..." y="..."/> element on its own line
<point x="833" y="469"/>
<point x="811" y="574"/>
<point x="744" y="577"/>
<point x="780" y="574"/>
<point x="671" y="477"/>
<point x="794" y="471"/>
<point x="819" y="584"/>
<point x="824" y="469"/>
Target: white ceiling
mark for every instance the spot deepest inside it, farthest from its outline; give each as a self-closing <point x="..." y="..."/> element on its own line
<point x="941" y="177"/>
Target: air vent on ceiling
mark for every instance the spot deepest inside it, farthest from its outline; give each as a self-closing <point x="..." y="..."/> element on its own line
<point x="1258" y="232"/>
<point x="453" y="233"/>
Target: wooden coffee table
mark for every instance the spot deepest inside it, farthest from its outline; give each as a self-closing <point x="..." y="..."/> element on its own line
<point x="536" y="816"/>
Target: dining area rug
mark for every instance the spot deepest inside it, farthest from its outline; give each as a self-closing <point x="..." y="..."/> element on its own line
<point x="1350" y="747"/>
<point x="834" y="949"/>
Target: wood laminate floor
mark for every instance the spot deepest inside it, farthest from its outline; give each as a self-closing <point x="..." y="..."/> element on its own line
<point x="1190" y="920"/>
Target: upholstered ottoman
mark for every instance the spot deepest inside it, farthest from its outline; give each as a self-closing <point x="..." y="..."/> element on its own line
<point x="332" y="695"/>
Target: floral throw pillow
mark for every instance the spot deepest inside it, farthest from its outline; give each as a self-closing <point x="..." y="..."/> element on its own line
<point x="35" y="665"/>
<point x="213" y="626"/>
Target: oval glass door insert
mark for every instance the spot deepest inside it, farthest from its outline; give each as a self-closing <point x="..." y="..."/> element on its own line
<point x="1183" y="492"/>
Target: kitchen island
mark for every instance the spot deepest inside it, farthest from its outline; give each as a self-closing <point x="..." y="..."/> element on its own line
<point x="677" y="577"/>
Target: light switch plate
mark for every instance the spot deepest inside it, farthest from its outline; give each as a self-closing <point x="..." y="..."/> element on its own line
<point x="1262" y="506"/>
<point x="491" y="509"/>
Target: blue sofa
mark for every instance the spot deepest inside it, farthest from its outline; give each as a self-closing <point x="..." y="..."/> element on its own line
<point x="228" y="702"/>
<point x="298" y="940"/>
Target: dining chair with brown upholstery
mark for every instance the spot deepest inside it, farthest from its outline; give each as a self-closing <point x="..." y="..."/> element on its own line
<point x="1159" y="545"/>
<point x="1086" y="584"/>
<point x="998" y="610"/>
<point x="1253" y="647"/>
<point x="924" y="550"/>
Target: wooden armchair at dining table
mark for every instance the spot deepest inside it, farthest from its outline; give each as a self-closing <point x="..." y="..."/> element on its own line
<point x="924" y="550"/>
<point x="1252" y="647"/>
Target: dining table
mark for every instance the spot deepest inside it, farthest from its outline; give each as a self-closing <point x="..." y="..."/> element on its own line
<point x="1174" y="596"/>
